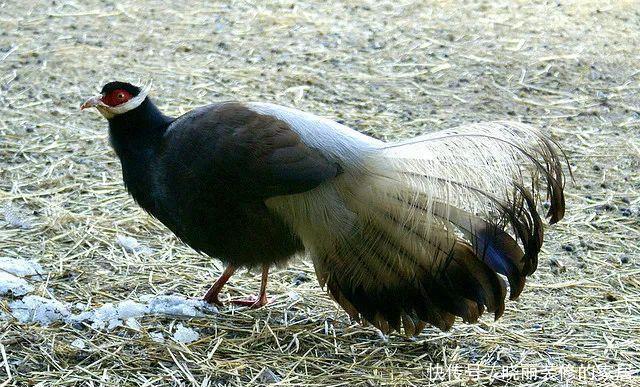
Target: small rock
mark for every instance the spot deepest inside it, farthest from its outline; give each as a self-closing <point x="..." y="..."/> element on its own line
<point x="557" y="265"/>
<point x="20" y="267"/>
<point x="185" y="335"/>
<point x="586" y="245"/>
<point x="78" y="344"/>
<point x="11" y="284"/>
<point x="158" y="337"/>
<point x="624" y="259"/>
<point x="568" y="247"/>
<point x="605" y="207"/>
<point x="77" y="326"/>
<point x="266" y="376"/>
<point x="16" y="217"/>
<point x="601" y="96"/>
<point x="29" y="128"/>
<point x="131" y="245"/>
<point x="300" y="278"/>
<point x="555" y="262"/>
<point x="595" y="75"/>
<point x="39" y="309"/>
<point x="133" y="324"/>
<point x="293" y="296"/>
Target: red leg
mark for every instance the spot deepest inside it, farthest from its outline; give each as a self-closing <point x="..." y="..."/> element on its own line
<point x="262" y="298"/>
<point x="212" y="294"/>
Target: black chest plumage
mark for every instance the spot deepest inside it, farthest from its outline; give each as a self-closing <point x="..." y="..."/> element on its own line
<point x="209" y="213"/>
<point x="180" y="172"/>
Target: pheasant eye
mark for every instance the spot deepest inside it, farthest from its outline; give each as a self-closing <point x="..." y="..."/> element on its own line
<point x="117" y="97"/>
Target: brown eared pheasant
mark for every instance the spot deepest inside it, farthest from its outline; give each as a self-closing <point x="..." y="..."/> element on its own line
<point x="402" y="234"/>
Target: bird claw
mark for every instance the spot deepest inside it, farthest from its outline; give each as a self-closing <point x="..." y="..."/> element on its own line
<point x="252" y="302"/>
<point x="212" y="300"/>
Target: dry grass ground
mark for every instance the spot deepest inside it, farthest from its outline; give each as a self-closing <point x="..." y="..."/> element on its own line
<point x="392" y="69"/>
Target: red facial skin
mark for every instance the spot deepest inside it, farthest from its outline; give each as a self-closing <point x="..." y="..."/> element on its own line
<point x="116" y="97"/>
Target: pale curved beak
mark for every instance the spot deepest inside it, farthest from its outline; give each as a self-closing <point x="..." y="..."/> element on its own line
<point x="91" y="102"/>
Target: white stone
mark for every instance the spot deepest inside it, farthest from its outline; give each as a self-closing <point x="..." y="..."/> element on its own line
<point x="20" y="267"/>
<point x="17" y="286"/>
<point x="78" y="343"/>
<point x="38" y="309"/>
<point x="185" y="335"/>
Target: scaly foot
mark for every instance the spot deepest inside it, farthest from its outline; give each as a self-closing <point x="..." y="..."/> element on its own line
<point x="252" y="302"/>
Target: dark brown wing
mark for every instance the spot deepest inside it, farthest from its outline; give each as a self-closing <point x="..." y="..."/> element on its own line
<point x="253" y="154"/>
<point x="265" y="156"/>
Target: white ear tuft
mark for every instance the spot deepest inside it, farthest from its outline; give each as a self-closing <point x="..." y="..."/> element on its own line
<point x="132" y="103"/>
